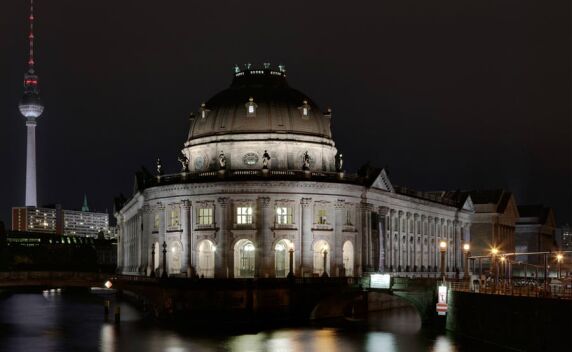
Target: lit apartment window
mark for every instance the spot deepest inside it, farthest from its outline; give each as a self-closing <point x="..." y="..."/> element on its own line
<point x="321" y="216"/>
<point x="205" y="216"/>
<point x="174" y="218"/>
<point x="244" y="215"/>
<point x="284" y="215"/>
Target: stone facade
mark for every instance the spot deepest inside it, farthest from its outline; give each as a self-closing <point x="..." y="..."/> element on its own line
<point x="227" y="214"/>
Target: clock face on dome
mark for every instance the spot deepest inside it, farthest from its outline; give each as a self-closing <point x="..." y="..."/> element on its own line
<point x="250" y="159"/>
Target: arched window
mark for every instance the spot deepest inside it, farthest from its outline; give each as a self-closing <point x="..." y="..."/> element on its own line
<point x="282" y="257"/>
<point x="348" y="258"/>
<point x="244" y="254"/>
<point x="175" y="258"/>
<point x="206" y="259"/>
<point x="321" y="254"/>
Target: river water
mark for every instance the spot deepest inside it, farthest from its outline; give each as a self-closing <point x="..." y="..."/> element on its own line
<point x="55" y="321"/>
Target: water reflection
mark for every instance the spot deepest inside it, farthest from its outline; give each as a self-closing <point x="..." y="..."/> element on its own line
<point x="62" y="322"/>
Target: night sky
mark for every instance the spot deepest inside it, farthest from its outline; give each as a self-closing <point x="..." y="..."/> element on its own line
<point x="445" y="94"/>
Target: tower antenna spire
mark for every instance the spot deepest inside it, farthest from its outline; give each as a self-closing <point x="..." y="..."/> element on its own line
<point x="31" y="36"/>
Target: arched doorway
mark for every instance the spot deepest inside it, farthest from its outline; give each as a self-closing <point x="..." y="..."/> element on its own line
<point x="321" y="251"/>
<point x="282" y="257"/>
<point x="348" y="258"/>
<point x="175" y="258"/>
<point x="244" y="253"/>
<point x="206" y="259"/>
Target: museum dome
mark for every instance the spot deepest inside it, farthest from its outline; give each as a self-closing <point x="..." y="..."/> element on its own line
<point x="260" y="101"/>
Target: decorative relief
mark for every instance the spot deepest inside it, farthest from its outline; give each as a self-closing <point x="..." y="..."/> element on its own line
<point x="250" y="159"/>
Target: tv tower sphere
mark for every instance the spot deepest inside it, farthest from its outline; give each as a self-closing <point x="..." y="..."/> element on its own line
<point x="30" y="105"/>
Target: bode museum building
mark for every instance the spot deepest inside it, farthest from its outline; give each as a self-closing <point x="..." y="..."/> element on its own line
<point x="262" y="192"/>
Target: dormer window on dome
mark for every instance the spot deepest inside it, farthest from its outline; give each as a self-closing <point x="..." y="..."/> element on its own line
<point x="305" y="110"/>
<point x="204" y="111"/>
<point x="251" y="108"/>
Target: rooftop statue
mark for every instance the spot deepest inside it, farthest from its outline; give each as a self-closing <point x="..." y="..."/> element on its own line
<point x="222" y="160"/>
<point x="265" y="159"/>
<point x="184" y="163"/>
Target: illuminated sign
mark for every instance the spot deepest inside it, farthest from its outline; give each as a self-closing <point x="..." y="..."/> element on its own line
<point x="380" y="281"/>
<point x="442" y="300"/>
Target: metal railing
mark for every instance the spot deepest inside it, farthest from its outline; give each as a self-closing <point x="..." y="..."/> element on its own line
<point x="515" y="287"/>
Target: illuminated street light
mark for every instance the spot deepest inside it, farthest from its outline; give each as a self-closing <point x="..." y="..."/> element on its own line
<point x="559" y="259"/>
<point x="443" y="249"/>
<point x="466" y="249"/>
<point x="108" y="284"/>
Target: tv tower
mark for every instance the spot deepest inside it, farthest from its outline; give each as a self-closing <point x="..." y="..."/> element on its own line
<point x="31" y="108"/>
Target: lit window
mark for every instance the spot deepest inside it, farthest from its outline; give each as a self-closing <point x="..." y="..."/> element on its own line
<point x="156" y="222"/>
<point x="305" y="109"/>
<point x="321" y="216"/>
<point x="205" y="216"/>
<point x="284" y="215"/>
<point x="174" y="218"/>
<point x="251" y="108"/>
<point x="204" y="111"/>
<point x="244" y="215"/>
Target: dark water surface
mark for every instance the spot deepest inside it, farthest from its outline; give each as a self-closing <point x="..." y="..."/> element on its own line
<point x="55" y="321"/>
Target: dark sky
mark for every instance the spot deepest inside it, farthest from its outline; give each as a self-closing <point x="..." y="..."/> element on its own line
<point x="448" y="94"/>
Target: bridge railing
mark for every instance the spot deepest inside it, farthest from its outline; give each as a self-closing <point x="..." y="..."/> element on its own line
<point x="238" y="282"/>
<point x="514" y="288"/>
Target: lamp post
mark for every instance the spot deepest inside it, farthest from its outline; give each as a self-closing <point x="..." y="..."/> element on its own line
<point x="494" y="252"/>
<point x="443" y="249"/>
<point x="559" y="258"/>
<point x="291" y="263"/>
<point x="164" y="275"/>
<point x="466" y="249"/>
<point x="325" y="273"/>
<point x="503" y="267"/>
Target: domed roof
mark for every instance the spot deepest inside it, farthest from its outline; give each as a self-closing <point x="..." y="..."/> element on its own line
<point x="260" y="101"/>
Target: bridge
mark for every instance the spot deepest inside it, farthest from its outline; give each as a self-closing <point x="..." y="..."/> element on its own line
<point x="51" y="279"/>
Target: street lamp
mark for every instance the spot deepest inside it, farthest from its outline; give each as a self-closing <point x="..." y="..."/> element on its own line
<point x="494" y="252"/>
<point x="443" y="249"/>
<point x="559" y="258"/>
<point x="466" y="249"/>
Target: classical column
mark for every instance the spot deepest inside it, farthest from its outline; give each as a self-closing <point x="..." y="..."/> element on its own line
<point x="186" y="237"/>
<point x="264" y="241"/>
<point x="408" y="245"/>
<point x="306" y="236"/>
<point x="366" y="235"/>
<point x="398" y="266"/>
<point x="162" y="232"/>
<point x="336" y="256"/>
<point x="382" y="226"/>
<point x="416" y="235"/>
<point x="120" y="244"/>
<point x="424" y="241"/>
<point x="146" y="238"/>
<point x="223" y="254"/>
<point x="392" y="257"/>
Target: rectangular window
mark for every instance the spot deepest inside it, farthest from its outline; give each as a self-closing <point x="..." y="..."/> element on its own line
<point x="205" y="216"/>
<point x="156" y="221"/>
<point x="321" y="216"/>
<point x="284" y="215"/>
<point x="174" y="218"/>
<point x="244" y="215"/>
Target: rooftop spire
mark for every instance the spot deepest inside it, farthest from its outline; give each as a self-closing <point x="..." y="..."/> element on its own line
<point x="31" y="37"/>
<point x="84" y="207"/>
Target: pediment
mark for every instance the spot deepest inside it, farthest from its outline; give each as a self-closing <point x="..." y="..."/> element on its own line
<point x="382" y="182"/>
<point x="468" y="205"/>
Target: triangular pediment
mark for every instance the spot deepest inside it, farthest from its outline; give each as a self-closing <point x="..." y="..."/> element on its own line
<point x="511" y="209"/>
<point x="382" y="182"/>
<point x="468" y="205"/>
